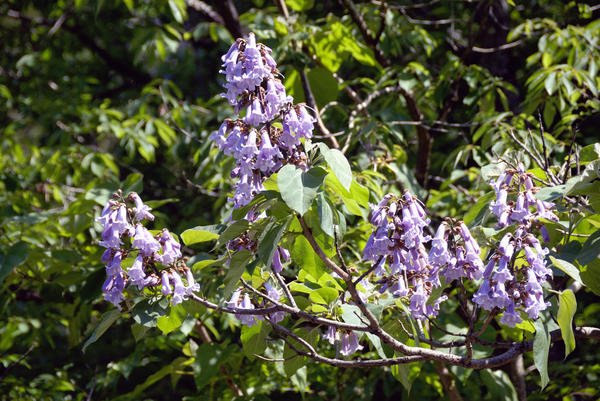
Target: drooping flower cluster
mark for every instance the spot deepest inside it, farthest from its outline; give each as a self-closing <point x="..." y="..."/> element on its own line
<point x="123" y="236"/>
<point x="266" y="137"/>
<point x="259" y="147"/>
<point x="514" y="277"/>
<point x="517" y="270"/>
<point x="397" y="247"/>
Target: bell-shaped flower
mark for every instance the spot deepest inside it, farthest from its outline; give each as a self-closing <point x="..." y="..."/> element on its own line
<point x="171" y="249"/>
<point x="350" y="344"/>
<point x="269" y="157"/>
<point x="145" y="241"/>
<point x="142" y="211"/>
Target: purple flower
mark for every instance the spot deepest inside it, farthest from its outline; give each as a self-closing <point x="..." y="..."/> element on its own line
<point x="136" y="273"/>
<point x="171" y="249"/>
<point x="166" y="286"/>
<point x="145" y="242"/>
<point x="275" y="98"/>
<point x="438" y="255"/>
<point x="520" y="211"/>
<point x="115" y="281"/>
<point x="305" y="122"/>
<point x="274" y="295"/>
<point x="510" y="316"/>
<point x="331" y="334"/>
<point x="113" y="288"/>
<point x="237" y="302"/>
<point x="192" y="286"/>
<point x="350" y="344"/>
<point x="255" y="114"/>
<point x="269" y="157"/>
<point x="179" y="290"/>
<point x="114" y="219"/>
<point x="499" y="206"/>
<point x="142" y="211"/>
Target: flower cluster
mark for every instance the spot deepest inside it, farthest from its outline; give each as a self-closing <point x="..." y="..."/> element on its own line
<point x="517" y="270"/>
<point x="259" y="147"/>
<point x="397" y="247"/>
<point x="124" y="236"/>
<point x="509" y="285"/>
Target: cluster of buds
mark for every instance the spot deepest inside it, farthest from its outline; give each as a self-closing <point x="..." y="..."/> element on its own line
<point x="123" y="236"/>
<point x="259" y="147"/>
<point x="397" y="247"/>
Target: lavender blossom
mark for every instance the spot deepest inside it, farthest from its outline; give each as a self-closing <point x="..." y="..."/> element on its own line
<point x="145" y="241"/>
<point x="136" y="273"/>
<point x="331" y="334"/>
<point x="180" y="292"/>
<point x="171" y="249"/>
<point x="349" y="343"/>
<point x="273" y="293"/>
<point x="239" y="302"/>
<point x="142" y="211"/>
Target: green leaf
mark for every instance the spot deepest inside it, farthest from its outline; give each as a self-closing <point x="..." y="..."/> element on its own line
<point x="567" y="307"/>
<point x="590" y="276"/>
<point x="254" y="338"/>
<point x="590" y="250"/>
<point x="324" y="295"/>
<point x="303" y="254"/>
<point x="179" y="10"/>
<point x="406" y="374"/>
<point x="107" y="320"/>
<point x="298" y="189"/>
<point x="338" y="164"/>
<point x="173" y="320"/>
<point x="237" y="265"/>
<point x="541" y="348"/>
<point x="15" y="255"/>
<point x="300" y="5"/>
<point x="201" y="234"/>
<point x="550" y="83"/>
<point x="566" y="267"/>
<point x="498" y="385"/>
<point x="233" y="230"/>
<point x="477" y="213"/>
<point x="325" y="215"/>
<point x="269" y="239"/>
<point x="133" y="183"/>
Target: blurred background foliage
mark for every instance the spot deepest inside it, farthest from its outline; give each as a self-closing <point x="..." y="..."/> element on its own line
<point x="97" y="95"/>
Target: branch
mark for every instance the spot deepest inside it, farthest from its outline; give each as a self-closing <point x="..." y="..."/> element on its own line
<point x="372" y="41"/>
<point x="313" y="243"/>
<point x="447" y="382"/>
<point x="310" y="100"/>
<point x="205" y="9"/>
<point x="423" y="138"/>
<point x="314" y="355"/>
<point x="231" y="19"/>
<point x="126" y="70"/>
